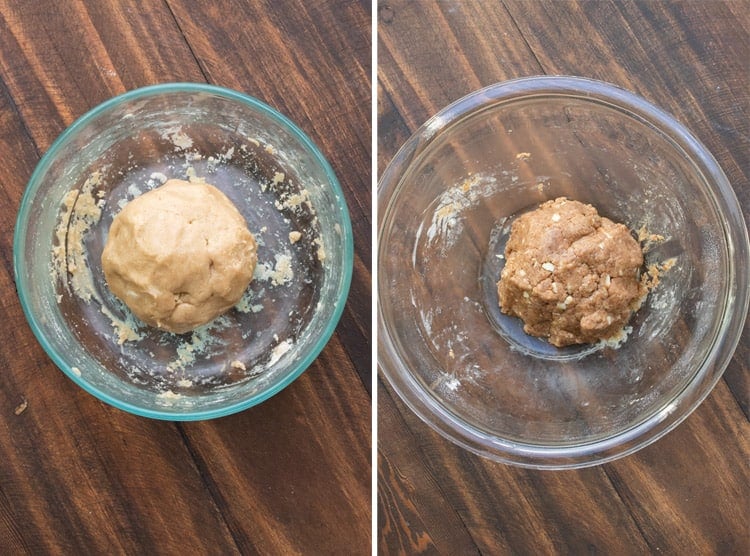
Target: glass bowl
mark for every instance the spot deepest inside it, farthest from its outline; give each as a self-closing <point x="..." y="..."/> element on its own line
<point x="278" y="180"/>
<point x="446" y="202"/>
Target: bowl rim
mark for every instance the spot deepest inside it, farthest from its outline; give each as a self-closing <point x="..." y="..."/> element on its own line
<point x="33" y="186"/>
<point x="425" y="404"/>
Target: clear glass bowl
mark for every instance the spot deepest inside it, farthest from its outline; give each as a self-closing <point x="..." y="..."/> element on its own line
<point x="279" y="181"/>
<point x="446" y="202"/>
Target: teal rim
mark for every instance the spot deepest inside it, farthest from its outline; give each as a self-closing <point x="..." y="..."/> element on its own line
<point x="19" y="245"/>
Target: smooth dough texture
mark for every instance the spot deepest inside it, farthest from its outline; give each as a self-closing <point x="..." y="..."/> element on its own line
<point x="572" y="276"/>
<point x="179" y="256"/>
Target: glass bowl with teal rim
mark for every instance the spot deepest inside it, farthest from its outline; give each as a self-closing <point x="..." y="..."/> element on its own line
<point x="279" y="181"/>
<point x="446" y="203"/>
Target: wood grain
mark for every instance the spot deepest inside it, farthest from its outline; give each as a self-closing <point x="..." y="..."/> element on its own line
<point x="289" y="476"/>
<point x="688" y="492"/>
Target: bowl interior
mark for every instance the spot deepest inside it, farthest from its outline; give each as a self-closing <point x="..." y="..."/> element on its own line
<point x="279" y="182"/>
<point x="447" y="203"/>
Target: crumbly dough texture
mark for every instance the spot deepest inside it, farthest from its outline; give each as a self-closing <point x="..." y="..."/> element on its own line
<point x="571" y="275"/>
<point x="179" y="256"/>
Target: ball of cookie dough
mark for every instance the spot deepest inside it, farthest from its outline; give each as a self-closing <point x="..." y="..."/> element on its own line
<point x="572" y="276"/>
<point x="179" y="256"/>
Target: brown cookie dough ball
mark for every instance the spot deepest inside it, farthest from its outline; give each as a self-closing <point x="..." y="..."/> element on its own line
<point x="179" y="256"/>
<point x="571" y="275"/>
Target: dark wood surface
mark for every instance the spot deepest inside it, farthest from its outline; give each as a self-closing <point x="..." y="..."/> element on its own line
<point x="290" y="476"/>
<point x="689" y="493"/>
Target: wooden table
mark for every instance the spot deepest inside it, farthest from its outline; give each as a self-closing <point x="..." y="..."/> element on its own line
<point x="289" y="476"/>
<point x="689" y="493"/>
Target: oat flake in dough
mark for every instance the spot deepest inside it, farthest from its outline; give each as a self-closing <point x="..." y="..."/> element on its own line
<point x="179" y="256"/>
<point x="571" y="275"/>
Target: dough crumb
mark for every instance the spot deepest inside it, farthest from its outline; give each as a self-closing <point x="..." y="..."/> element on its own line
<point x="571" y="275"/>
<point x="645" y="236"/>
<point x="294" y="236"/>
<point x="280" y="274"/>
<point x="652" y="276"/>
<point x="278" y="351"/>
<point x="20" y="408"/>
<point x="236" y="364"/>
<point x="158" y="176"/>
<point x="179" y="138"/>
<point x="321" y="252"/>
<point x="193" y="177"/>
<point x="168" y="395"/>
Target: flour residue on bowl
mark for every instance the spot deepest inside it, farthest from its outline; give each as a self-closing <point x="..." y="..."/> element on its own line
<point x="237" y="364"/>
<point x="278" y="351"/>
<point x="616" y="341"/>
<point x="248" y="301"/>
<point x="198" y="343"/>
<point x="81" y="209"/>
<point x="178" y="137"/>
<point x="450" y="381"/>
<point x="168" y="397"/>
<point x="126" y="329"/>
<point x="657" y="265"/>
<point x="279" y="273"/>
<point x="447" y="218"/>
<point x="446" y="223"/>
<point x="296" y="201"/>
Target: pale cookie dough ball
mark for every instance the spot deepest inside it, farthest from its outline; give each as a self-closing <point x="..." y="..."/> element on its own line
<point x="571" y="275"/>
<point x="179" y="256"/>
